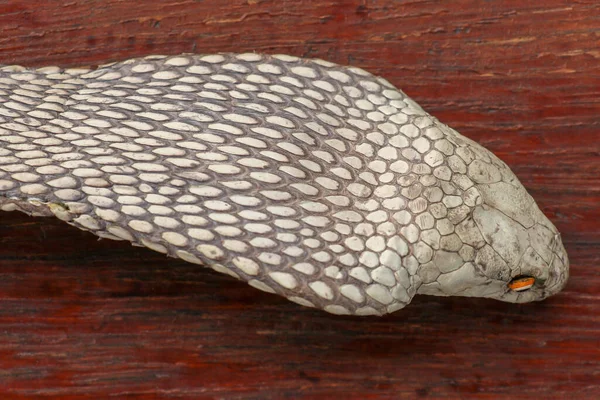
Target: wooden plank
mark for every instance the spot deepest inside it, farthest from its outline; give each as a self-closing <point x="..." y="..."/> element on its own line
<point x="84" y="318"/>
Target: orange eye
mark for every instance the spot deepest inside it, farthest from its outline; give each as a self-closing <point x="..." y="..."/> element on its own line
<point x="521" y="283"/>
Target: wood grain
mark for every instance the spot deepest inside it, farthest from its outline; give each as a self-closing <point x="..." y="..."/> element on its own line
<point x="81" y="318"/>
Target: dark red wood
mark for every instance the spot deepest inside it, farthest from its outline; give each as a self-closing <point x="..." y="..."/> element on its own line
<point x="81" y="318"/>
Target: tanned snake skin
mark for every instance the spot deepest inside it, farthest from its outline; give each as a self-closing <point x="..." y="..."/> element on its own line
<point x="321" y="183"/>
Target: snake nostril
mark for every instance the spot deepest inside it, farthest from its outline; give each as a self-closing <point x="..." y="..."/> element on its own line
<point x="521" y="283"/>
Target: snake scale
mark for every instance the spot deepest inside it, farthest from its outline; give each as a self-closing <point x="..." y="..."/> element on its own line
<point x="322" y="183"/>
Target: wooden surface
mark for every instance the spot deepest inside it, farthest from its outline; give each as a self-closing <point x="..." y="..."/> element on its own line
<point x="81" y="318"/>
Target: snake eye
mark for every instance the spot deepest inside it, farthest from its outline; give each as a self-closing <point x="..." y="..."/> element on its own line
<point x="521" y="283"/>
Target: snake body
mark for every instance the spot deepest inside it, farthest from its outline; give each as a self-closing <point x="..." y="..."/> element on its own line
<point x="318" y="182"/>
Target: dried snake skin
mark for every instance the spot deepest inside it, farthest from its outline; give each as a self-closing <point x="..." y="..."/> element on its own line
<point x="321" y="183"/>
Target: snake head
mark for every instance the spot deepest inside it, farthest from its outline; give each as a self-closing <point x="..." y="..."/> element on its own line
<point x="504" y="247"/>
<point x="524" y="255"/>
<point x="518" y="254"/>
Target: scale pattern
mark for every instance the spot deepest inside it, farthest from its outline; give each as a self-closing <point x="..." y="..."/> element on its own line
<point x="321" y="183"/>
